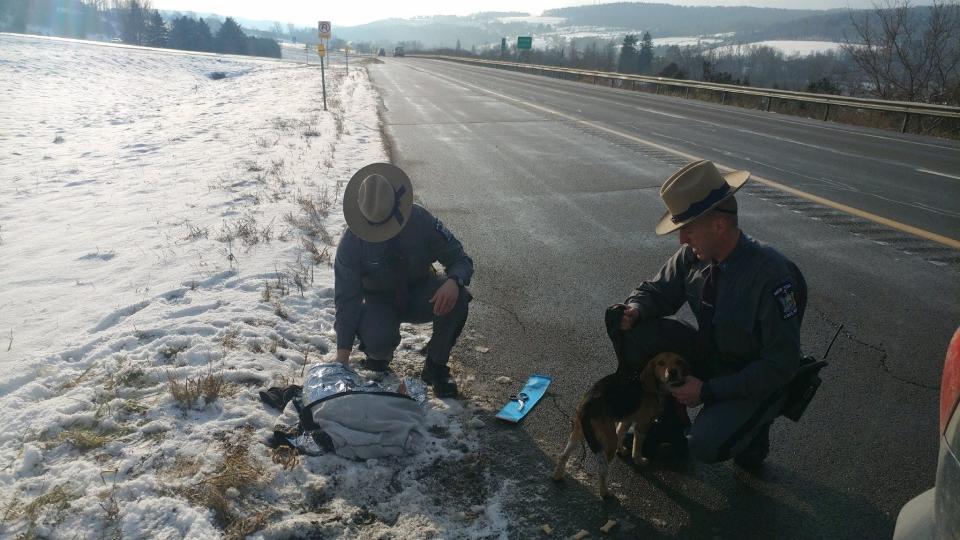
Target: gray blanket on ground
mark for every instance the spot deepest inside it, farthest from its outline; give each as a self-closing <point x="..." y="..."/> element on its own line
<point x="360" y="419"/>
<point x="369" y="425"/>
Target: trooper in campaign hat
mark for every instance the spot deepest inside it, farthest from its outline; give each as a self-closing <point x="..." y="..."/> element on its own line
<point x="748" y="300"/>
<point x="384" y="275"/>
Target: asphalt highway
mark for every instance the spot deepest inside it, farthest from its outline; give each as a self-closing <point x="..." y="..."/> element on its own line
<point x="552" y="186"/>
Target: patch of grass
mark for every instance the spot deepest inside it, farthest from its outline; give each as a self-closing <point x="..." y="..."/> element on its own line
<point x="196" y="232"/>
<point x="245" y="228"/>
<point x="236" y="476"/>
<point x="111" y="508"/>
<point x="251" y="166"/>
<point x="51" y="503"/>
<point x="285" y="456"/>
<point x="264" y="142"/>
<point x="317" y="256"/>
<point x="242" y="528"/>
<point x="170" y="352"/>
<point x="230" y="338"/>
<point x="132" y="406"/>
<point x="280" y="311"/>
<point x="79" y="379"/>
<point x="187" y="390"/>
<point x="283" y="124"/>
<point x="86" y="439"/>
<point x="302" y="274"/>
<point x="133" y="377"/>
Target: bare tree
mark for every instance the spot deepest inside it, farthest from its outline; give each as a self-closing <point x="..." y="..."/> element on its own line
<point x="908" y="53"/>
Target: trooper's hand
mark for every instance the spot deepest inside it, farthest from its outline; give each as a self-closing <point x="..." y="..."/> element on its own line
<point x="445" y="298"/>
<point x="343" y="356"/>
<point x="630" y="316"/>
<point x="688" y="393"/>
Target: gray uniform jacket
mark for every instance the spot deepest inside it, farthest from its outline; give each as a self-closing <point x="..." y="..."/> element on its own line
<point x="757" y="314"/>
<point x="372" y="268"/>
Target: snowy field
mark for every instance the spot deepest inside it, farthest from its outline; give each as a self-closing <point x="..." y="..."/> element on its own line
<point x="159" y="225"/>
<point x="788" y="48"/>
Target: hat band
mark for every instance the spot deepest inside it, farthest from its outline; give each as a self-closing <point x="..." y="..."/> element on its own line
<point x="395" y="212"/>
<point x="698" y="207"/>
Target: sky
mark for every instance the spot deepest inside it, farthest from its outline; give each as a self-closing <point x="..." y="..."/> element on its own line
<point x="350" y="13"/>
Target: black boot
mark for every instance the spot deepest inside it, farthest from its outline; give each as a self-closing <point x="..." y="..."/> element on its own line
<point x="372" y="364"/>
<point x="438" y="376"/>
<point x="667" y="437"/>
<point x="753" y="455"/>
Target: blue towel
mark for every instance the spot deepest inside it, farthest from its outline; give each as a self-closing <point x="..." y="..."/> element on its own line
<point x="535" y="388"/>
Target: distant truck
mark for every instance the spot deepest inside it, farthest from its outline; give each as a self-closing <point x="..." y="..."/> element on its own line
<point x="398" y="51"/>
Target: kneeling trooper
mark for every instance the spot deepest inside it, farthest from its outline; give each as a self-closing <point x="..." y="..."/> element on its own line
<point x="384" y="275"/>
<point x="749" y="301"/>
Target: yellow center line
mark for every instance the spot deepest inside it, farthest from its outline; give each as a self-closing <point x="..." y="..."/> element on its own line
<point x="893" y="224"/>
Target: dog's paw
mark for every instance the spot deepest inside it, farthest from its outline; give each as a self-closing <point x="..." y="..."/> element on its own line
<point x="641" y="461"/>
<point x="557" y="476"/>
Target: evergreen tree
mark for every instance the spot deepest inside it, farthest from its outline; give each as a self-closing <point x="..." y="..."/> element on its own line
<point x="183" y="34"/>
<point x="133" y="23"/>
<point x="628" y="54"/>
<point x="230" y="39"/>
<point x="156" y="33"/>
<point x="204" y="36"/>
<point x="645" y="58"/>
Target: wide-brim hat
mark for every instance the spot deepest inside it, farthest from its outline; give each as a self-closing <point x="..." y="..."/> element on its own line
<point x="377" y="202"/>
<point x="694" y="190"/>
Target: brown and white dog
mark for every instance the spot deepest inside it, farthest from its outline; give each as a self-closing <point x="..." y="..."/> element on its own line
<point x="616" y="402"/>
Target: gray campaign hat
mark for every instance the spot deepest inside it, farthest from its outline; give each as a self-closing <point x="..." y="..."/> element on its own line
<point x="377" y="202"/>
<point x="694" y="190"/>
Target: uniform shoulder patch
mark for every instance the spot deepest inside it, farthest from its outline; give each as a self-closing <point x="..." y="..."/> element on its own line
<point x="438" y="225"/>
<point x="786" y="301"/>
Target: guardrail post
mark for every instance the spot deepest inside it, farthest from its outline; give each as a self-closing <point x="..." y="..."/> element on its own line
<point x="686" y="93"/>
<point x="769" y="101"/>
<point x="723" y="98"/>
<point x="658" y="89"/>
<point x="826" y="113"/>
<point x="906" y="118"/>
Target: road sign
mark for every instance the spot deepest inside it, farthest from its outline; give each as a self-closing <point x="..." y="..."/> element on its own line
<point x="323" y="27"/>
<point x="321" y="50"/>
<point x="524" y="42"/>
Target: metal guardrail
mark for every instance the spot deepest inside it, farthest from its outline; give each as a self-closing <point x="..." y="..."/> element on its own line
<point x="903" y="107"/>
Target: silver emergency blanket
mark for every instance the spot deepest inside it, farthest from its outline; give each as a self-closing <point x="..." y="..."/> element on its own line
<point x="362" y="419"/>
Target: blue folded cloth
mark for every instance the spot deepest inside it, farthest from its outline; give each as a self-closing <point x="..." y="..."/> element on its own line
<point x="535" y="388"/>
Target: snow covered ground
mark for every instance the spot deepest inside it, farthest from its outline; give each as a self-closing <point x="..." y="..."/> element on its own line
<point x="158" y="224"/>
<point x="788" y="48"/>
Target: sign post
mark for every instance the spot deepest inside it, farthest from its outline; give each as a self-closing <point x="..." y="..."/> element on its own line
<point x="346" y="55"/>
<point x="323" y="29"/>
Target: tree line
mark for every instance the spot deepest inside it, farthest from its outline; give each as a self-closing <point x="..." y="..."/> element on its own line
<point x="134" y="22"/>
<point x="895" y="52"/>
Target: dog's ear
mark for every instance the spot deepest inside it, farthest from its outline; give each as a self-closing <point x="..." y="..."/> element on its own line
<point x="648" y="377"/>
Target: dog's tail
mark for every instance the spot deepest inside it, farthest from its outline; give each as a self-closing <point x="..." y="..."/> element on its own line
<point x="590" y="410"/>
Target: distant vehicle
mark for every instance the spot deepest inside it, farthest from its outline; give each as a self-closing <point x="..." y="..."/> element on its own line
<point x="116" y="40"/>
<point x="382" y="52"/>
<point x="933" y="514"/>
<point x="398" y="51"/>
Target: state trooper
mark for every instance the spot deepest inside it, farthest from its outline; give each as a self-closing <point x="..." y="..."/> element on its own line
<point x="748" y="300"/>
<point x="384" y="275"/>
